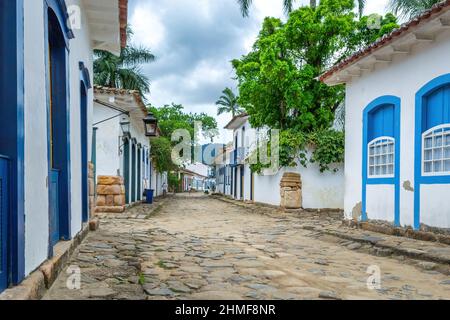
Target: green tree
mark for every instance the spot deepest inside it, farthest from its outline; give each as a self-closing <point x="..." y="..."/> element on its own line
<point x="410" y="8"/>
<point x="125" y="71"/>
<point x="228" y="103"/>
<point x="161" y="154"/>
<point x="278" y="82"/>
<point x="289" y="4"/>
<point x="172" y="117"/>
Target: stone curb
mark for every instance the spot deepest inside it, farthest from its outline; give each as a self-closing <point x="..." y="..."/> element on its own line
<point x="38" y="282"/>
<point x="399" y="232"/>
<point x="410" y="253"/>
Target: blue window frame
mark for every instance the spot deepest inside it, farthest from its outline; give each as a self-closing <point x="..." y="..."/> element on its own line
<point x="381" y="148"/>
<point x="432" y="137"/>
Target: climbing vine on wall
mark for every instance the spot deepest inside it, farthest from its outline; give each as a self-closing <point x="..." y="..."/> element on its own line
<point x="326" y="148"/>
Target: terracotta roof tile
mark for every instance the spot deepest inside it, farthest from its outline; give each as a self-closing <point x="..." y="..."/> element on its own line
<point x="387" y="39"/>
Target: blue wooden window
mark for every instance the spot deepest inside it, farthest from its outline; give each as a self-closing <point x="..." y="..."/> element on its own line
<point x="436" y="133"/>
<point x="381" y="148"/>
<point x="381" y="145"/>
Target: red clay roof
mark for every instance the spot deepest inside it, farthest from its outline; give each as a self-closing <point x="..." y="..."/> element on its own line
<point x="123" y="16"/>
<point x="387" y="39"/>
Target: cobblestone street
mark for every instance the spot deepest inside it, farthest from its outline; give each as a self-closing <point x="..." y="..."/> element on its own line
<point x="198" y="247"/>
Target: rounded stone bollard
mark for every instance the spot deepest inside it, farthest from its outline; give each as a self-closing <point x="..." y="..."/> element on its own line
<point x="291" y="191"/>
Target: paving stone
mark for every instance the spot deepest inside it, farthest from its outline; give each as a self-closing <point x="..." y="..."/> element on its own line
<point x="204" y="248"/>
<point x="159" y="292"/>
<point x="177" y="286"/>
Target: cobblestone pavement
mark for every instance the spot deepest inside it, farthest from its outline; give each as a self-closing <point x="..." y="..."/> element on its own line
<point x="196" y="247"/>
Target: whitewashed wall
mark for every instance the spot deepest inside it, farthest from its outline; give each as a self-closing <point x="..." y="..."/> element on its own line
<point x="36" y="163"/>
<point x="319" y="190"/>
<point x="402" y="78"/>
<point x="108" y="158"/>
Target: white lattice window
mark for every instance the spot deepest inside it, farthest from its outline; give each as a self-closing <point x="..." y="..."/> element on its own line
<point x="436" y="151"/>
<point x="381" y="158"/>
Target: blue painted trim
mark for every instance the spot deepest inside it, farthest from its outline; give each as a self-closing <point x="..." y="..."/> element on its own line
<point x="383" y="100"/>
<point x="85" y="76"/>
<point x="85" y="85"/>
<point x="60" y="9"/>
<point x="12" y="129"/>
<point x="61" y="118"/>
<point x="427" y="89"/>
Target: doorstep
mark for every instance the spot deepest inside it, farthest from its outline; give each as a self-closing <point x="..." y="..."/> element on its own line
<point x="36" y="284"/>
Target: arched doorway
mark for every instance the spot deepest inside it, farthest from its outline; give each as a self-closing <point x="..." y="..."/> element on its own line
<point x="84" y="152"/>
<point x="58" y="133"/>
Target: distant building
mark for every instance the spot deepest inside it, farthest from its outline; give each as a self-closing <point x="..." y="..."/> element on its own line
<point x="122" y="148"/>
<point x="236" y="179"/>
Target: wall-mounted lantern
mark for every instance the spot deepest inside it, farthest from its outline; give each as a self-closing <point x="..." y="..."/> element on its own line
<point x="151" y="125"/>
<point x="125" y="126"/>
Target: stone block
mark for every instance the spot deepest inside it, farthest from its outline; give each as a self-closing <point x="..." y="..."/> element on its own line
<point x="91" y="187"/>
<point x="94" y="224"/>
<point x="109" y="200"/>
<point x="109" y="180"/>
<point x="109" y="190"/>
<point x="120" y="209"/>
<point x="101" y="201"/>
<point x="119" y="200"/>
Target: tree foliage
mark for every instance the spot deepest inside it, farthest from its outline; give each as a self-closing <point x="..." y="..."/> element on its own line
<point x="161" y="153"/>
<point x="410" y="8"/>
<point x="228" y="103"/>
<point x="173" y="117"/>
<point x="288" y="6"/>
<point x="123" y="71"/>
<point x="278" y="79"/>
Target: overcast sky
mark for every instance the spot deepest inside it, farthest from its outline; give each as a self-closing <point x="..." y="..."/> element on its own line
<point x="194" y="42"/>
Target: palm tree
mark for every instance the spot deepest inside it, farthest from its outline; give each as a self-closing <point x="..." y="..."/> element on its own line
<point x="410" y="8"/>
<point x="123" y="72"/>
<point x="289" y="4"/>
<point x="228" y="103"/>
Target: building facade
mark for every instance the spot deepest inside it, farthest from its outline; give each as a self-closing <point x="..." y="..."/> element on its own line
<point x="122" y="148"/>
<point x="398" y="124"/>
<point x="45" y="119"/>
<point x="236" y="179"/>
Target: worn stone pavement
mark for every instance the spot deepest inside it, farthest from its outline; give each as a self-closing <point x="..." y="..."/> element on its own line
<point x="197" y="247"/>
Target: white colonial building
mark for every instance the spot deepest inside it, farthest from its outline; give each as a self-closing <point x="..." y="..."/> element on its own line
<point x="398" y="124"/>
<point x="46" y="50"/>
<point x="122" y="147"/>
<point x="236" y="179"/>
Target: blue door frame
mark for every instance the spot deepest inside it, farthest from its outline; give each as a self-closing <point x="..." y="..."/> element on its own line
<point x="4" y="219"/>
<point x="85" y="85"/>
<point x="139" y="175"/>
<point x="58" y="114"/>
<point x="54" y="208"/>
<point x="126" y="169"/>
<point x="133" y="173"/>
<point x="12" y="132"/>
<point x="373" y="106"/>
<point x="421" y="125"/>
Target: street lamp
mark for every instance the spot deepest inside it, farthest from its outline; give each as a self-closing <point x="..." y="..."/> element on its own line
<point x="125" y="125"/>
<point x="151" y="125"/>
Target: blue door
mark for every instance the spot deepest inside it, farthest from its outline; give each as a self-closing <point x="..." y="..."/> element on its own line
<point x="54" y="207"/>
<point x="3" y="223"/>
